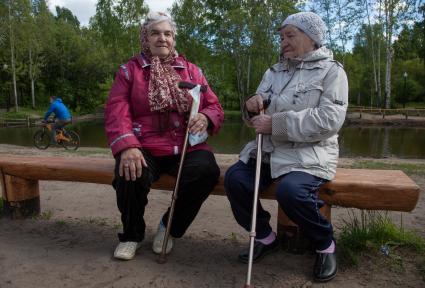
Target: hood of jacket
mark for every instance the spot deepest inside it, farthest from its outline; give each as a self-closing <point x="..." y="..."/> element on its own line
<point x="314" y="56"/>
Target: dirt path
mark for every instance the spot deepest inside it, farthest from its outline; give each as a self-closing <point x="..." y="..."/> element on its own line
<point x="71" y="243"/>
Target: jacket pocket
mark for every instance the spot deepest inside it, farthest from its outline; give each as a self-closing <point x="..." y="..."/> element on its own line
<point x="311" y="156"/>
<point x="308" y="95"/>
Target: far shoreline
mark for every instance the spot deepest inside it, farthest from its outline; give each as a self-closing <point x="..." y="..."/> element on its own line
<point x="352" y="119"/>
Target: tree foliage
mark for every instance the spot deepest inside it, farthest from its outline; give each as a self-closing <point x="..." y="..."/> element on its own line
<point x="233" y="41"/>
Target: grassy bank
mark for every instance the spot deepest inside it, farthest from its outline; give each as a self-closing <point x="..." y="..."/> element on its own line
<point x="23" y="113"/>
<point x="408" y="168"/>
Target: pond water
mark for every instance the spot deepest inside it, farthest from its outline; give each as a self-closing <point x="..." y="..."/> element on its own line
<point x="370" y="141"/>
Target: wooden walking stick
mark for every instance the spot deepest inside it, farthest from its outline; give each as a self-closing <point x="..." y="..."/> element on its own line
<point x="163" y="257"/>
<point x="252" y="234"/>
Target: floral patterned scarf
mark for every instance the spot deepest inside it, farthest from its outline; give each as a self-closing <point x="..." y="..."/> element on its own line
<point x="163" y="92"/>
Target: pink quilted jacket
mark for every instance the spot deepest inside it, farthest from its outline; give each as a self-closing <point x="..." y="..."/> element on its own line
<point x="130" y="123"/>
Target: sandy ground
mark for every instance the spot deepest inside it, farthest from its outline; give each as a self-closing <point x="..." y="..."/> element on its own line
<point x="71" y="244"/>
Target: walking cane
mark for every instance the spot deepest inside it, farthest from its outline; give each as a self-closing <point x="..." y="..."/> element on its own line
<point x="162" y="257"/>
<point x="252" y="234"/>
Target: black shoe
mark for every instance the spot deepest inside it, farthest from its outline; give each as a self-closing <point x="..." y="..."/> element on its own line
<point x="325" y="267"/>
<point x="260" y="250"/>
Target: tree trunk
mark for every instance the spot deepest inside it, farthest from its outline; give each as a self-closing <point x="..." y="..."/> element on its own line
<point x="248" y="73"/>
<point x="328" y="23"/>
<point x="389" y="52"/>
<point x="379" y="56"/>
<point x="374" y="55"/>
<point x="32" y="80"/>
<point x="388" y="77"/>
<point x="12" y="58"/>
<point x="239" y="80"/>
<point x="131" y="42"/>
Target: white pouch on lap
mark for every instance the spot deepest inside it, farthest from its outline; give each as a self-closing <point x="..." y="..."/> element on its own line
<point x="195" y="139"/>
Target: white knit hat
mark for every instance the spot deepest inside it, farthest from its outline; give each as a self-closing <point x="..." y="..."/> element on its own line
<point x="310" y="23"/>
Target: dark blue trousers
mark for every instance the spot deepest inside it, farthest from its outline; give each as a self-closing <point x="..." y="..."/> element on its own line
<point x="296" y="194"/>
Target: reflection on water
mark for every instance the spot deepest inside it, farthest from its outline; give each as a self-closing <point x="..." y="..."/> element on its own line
<point x="383" y="142"/>
<point x="354" y="141"/>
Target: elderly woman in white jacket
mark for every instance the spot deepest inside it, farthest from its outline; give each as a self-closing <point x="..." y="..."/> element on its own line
<point x="308" y="95"/>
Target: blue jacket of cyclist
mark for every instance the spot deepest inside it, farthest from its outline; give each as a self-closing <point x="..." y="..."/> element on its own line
<point x="59" y="109"/>
<point x="62" y="114"/>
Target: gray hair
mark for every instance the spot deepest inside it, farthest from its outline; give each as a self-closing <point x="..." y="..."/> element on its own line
<point x="155" y="17"/>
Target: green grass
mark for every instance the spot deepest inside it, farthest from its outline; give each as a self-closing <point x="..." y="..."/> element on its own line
<point x="45" y="215"/>
<point x="98" y="221"/>
<point x="60" y="223"/>
<point x="22" y="113"/>
<point x="232" y="115"/>
<point x="408" y="168"/>
<point x="412" y="105"/>
<point x="373" y="233"/>
<point x="27" y="111"/>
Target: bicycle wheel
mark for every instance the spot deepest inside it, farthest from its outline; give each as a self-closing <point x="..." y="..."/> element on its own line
<point x="72" y="142"/>
<point x="41" y="139"/>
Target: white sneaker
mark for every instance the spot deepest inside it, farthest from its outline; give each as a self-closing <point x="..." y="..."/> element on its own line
<point x="126" y="250"/>
<point x="159" y="239"/>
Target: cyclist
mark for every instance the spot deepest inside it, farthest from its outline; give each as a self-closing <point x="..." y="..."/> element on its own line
<point x="62" y="115"/>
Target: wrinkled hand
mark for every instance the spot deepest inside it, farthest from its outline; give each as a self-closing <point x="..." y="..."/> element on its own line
<point x="254" y="104"/>
<point x="262" y="124"/>
<point x="131" y="164"/>
<point x="198" y="124"/>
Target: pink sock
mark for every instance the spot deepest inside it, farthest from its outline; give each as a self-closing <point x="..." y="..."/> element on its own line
<point x="330" y="249"/>
<point x="268" y="240"/>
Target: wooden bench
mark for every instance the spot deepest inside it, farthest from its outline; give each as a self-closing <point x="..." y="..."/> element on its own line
<point x="390" y="190"/>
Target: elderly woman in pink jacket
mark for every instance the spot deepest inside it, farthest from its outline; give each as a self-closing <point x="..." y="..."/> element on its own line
<point x="146" y="117"/>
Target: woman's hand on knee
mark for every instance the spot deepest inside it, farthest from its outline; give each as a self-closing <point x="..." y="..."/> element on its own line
<point x="131" y="164"/>
<point x="198" y="124"/>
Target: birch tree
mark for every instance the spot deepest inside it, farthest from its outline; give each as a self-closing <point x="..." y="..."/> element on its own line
<point x="395" y="13"/>
<point x="12" y="53"/>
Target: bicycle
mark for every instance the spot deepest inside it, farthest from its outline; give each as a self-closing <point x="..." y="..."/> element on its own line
<point x="69" y="139"/>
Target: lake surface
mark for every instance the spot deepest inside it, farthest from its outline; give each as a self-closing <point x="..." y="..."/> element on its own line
<point x="378" y="142"/>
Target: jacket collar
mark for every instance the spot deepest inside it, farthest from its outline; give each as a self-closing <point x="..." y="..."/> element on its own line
<point x="310" y="60"/>
<point x="278" y="67"/>
<point x="145" y="62"/>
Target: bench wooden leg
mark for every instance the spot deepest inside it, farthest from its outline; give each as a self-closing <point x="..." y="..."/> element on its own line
<point x="21" y="197"/>
<point x="290" y="235"/>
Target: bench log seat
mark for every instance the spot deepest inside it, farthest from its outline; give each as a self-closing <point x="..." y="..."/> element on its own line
<point x="390" y="190"/>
